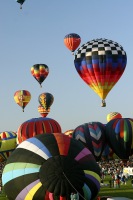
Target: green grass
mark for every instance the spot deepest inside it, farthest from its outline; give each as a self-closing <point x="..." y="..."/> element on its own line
<point x="123" y="191"/>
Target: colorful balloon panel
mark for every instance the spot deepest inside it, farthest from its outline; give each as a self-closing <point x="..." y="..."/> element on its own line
<point x="35" y="126"/>
<point x="44" y="166"/>
<point x="22" y="98"/>
<point x="92" y="135"/>
<point x="119" y="134"/>
<point x="113" y="115"/>
<point x="72" y="41"/>
<point x="43" y="112"/>
<point x="40" y="72"/>
<point x="8" y="144"/>
<point x="100" y="63"/>
<point x="46" y="100"/>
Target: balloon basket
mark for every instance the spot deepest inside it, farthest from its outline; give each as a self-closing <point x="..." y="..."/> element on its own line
<point x="103" y="104"/>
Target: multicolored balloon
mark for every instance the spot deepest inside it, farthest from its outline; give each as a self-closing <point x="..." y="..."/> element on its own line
<point x="100" y="63"/>
<point x="72" y="41"/>
<point x="113" y="115"/>
<point x="40" y="72"/>
<point x="119" y="134"/>
<point x="20" y="2"/>
<point x="35" y="126"/>
<point x="51" y="166"/>
<point x="46" y="100"/>
<point x="22" y="98"/>
<point x="8" y="144"/>
<point x="92" y="135"/>
<point x="43" y="112"/>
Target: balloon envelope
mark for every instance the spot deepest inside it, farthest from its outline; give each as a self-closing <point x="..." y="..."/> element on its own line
<point x="46" y="100"/>
<point x="69" y="132"/>
<point x="35" y="126"/>
<point x="51" y="166"/>
<point x="72" y="41"/>
<point x="119" y="134"/>
<point x="100" y="63"/>
<point x="40" y="72"/>
<point x="92" y="135"/>
<point x="8" y="144"/>
<point x="113" y="115"/>
<point x="43" y="112"/>
<point x="22" y="98"/>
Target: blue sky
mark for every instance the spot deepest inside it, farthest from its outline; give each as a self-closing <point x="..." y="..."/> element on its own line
<point x="35" y="34"/>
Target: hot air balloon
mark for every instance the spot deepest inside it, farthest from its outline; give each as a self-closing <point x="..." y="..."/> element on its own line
<point x="100" y="63"/>
<point x="22" y="98"/>
<point x="36" y="126"/>
<point x="43" y="112"/>
<point x="40" y="72"/>
<point x="113" y="115"/>
<point x="46" y="100"/>
<point x="69" y="132"/>
<point x="51" y="166"/>
<point x="20" y="2"/>
<point x="119" y="134"/>
<point x="92" y="135"/>
<point x="72" y="41"/>
<point x="8" y="144"/>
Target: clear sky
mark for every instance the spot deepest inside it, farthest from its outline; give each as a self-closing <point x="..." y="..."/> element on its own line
<point x="35" y="35"/>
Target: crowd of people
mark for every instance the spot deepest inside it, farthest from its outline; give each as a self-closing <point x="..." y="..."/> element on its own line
<point x="115" y="168"/>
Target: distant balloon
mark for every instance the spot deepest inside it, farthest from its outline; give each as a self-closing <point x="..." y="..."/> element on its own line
<point x="40" y="72"/>
<point x="72" y="41"/>
<point x="92" y="135"/>
<point x="119" y="134"/>
<point x="8" y="144"/>
<point x="51" y="166"/>
<point x="20" y="2"/>
<point x="69" y="132"/>
<point x="100" y="63"/>
<point x="36" y="126"/>
<point x="113" y="115"/>
<point x="46" y="100"/>
<point x="22" y="98"/>
<point x="43" y="112"/>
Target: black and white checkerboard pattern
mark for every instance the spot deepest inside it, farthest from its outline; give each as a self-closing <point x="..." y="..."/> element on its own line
<point x="100" y="47"/>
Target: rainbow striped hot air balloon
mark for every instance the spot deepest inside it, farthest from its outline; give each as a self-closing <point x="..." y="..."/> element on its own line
<point x="51" y="166"/>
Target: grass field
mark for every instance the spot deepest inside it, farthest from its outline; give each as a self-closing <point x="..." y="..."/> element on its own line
<point x="123" y="191"/>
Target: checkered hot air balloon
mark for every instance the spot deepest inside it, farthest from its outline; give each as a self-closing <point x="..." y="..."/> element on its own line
<point x="92" y="135"/>
<point x="51" y="166"/>
<point x="100" y="63"/>
<point x="35" y="126"/>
